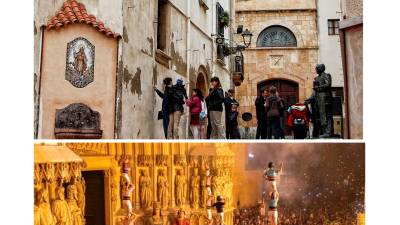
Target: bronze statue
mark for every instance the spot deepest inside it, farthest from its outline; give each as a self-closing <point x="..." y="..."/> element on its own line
<point x="323" y="96"/>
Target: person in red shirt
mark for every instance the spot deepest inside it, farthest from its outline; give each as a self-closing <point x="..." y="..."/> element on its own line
<point x="194" y="104"/>
<point x="181" y="220"/>
<point x="298" y="120"/>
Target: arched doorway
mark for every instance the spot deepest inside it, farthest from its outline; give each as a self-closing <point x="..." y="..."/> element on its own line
<point x="288" y="91"/>
<point x="202" y="81"/>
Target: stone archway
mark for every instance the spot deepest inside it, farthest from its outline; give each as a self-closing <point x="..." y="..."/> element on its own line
<point x="202" y="80"/>
<point x="288" y="90"/>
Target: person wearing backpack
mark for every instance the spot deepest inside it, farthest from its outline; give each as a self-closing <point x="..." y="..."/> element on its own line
<point x="195" y="108"/>
<point x="176" y="96"/>
<point x="215" y="101"/>
<point x="273" y="106"/>
<point x="298" y="120"/>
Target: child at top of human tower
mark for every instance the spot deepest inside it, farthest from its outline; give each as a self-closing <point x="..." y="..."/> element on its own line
<point x="271" y="175"/>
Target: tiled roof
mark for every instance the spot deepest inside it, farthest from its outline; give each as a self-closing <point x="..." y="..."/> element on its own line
<point x="75" y="12"/>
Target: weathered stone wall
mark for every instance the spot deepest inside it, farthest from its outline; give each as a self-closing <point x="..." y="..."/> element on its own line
<point x="298" y="63"/>
<point x="354" y="67"/>
<point x="352" y="8"/>
<point x="139" y="109"/>
<point x="274" y="4"/>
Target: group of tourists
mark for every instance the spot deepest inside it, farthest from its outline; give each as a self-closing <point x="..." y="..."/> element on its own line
<point x="205" y="113"/>
<point x="270" y="112"/>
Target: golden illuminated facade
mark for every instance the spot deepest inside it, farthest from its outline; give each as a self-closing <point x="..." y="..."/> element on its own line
<point x="166" y="176"/>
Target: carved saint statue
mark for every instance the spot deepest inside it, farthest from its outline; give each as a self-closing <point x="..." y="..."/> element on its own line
<point x="81" y="188"/>
<point x="72" y="198"/>
<point x="195" y="189"/>
<point x="180" y="190"/>
<point x="145" y="190"/>
<point x="44" y="216"/>
<point x="323" y="96"/>
<point x="203" y="187"/>
<point x="162" y="188"/>
<point x="60" y="208"/>
<point x="80" y="61"/>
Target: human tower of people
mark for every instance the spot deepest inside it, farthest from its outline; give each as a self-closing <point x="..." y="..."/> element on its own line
<point x="271" y="175"/>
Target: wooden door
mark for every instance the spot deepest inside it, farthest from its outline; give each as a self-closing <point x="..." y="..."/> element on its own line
<point x="95" y="202"/>
<point x="287" y="90"/>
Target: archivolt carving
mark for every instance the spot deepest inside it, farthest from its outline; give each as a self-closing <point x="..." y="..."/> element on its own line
<point x="54" y="204"/>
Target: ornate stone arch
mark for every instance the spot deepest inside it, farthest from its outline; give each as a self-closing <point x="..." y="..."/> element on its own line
<point x="291" y="27"/>
<point x="276" y="36"/>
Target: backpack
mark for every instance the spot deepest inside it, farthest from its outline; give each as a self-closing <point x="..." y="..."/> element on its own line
<point x="275" y="107"/>
<point x="178" y="96"/>
<point x="203" y="113"/>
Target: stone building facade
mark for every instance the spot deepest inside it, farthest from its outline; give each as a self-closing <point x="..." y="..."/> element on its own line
<point x="351" y="40"/>
<point x="99" y="172"/>
<point x="283" y="53"/>
<point x="158" y="38"/>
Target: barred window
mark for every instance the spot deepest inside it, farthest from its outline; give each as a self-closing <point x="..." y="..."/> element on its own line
<point x="333" y="27"/>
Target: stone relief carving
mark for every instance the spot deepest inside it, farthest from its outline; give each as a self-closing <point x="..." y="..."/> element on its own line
<point x="80" y="62"/>
<point x="195" y="189"/>
<point x="180" y="188"/>
<point x="52" y="206"/>
<point x="145" y="189"/>
<point x="162" y="188"/>
<point x="77" y="120"/>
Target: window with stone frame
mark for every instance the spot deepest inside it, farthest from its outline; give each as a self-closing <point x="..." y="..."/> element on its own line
<point x="333" y="26"/>
<point x="276" y="36"/>
<point x="220" y="28"/>
<point x="161" y="25"/>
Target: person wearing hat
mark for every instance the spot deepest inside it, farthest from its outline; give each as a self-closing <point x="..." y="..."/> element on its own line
<point x="176" y="96"/>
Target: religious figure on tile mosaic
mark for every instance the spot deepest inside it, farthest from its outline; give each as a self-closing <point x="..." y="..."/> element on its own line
<point x="80" y="62"/>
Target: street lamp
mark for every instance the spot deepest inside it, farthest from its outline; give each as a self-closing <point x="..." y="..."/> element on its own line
<point x="247" y="35"/>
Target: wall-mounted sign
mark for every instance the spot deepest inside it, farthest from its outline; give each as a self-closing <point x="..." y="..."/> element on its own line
<point x="80" y="62"/>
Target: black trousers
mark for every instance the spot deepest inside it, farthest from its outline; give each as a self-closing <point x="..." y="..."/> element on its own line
<point x="261" y="129"/>
<point x="300" y="131"/>
<point x="273" y="127"/>
<point x="232" y="132"/>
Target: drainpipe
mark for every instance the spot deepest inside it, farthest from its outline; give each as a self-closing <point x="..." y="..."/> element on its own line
<point x="188" y="50"/>
<point x="39" y="84"/>
<point x="231" y="32"/>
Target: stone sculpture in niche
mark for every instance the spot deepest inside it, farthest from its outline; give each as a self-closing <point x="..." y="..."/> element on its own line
<point x="80" y="62"/>
<point x="77" y="120"/>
